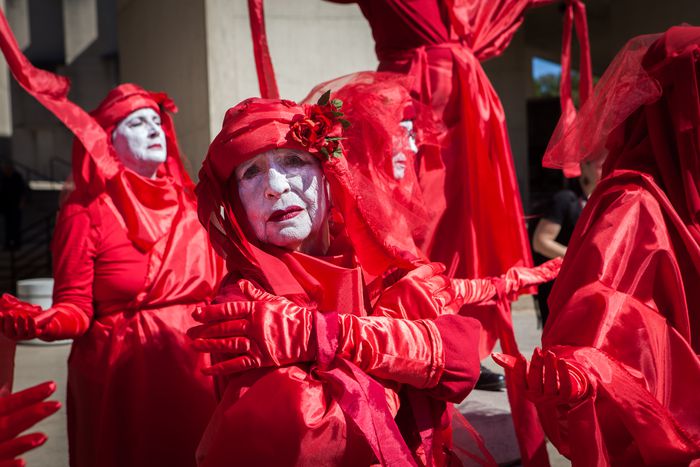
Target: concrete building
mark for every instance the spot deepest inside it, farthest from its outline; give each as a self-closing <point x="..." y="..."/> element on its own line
<point x="200" y="52"/>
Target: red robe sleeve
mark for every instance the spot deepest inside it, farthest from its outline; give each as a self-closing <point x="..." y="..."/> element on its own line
<point x="623" y="310"/>
<point x="74" y="254"/>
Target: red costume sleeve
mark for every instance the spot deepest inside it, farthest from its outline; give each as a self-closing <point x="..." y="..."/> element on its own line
<point x="74" y="252"/>
<point x="624" y="309"/>
<point x="461" y="362"/>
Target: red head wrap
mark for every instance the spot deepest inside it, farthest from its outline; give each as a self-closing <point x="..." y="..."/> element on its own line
<point x="255" y="126"/>
<point x="92" y="168"/>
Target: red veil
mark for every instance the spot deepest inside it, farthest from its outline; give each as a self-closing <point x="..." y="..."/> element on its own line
<point x="625" y="305"/>
<point x="377" y="103"/>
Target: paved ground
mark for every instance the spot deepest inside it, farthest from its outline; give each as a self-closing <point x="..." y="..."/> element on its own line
<point x="35" y="364"/>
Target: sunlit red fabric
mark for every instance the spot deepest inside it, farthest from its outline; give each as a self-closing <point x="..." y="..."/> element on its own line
<point x="625" y="306"/>
<point x="131" y="261"/>
<point x="377" y="103"/>
<point x="331" y="413"/>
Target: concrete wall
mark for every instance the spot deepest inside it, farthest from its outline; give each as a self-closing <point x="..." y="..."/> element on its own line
<point x="162" y="48"/>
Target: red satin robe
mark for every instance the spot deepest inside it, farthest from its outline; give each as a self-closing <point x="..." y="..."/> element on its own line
<point x="136" y="396"/>
<point x="625" y="308"/>
<point x="291" y="416"/>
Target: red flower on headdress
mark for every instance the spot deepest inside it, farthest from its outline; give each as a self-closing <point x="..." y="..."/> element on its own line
<point x="319" y="130"/>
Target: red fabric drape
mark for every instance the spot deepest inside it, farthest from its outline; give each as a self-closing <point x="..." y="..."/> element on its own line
<point x="263" y="61"/>
<point x="625" y="305"/>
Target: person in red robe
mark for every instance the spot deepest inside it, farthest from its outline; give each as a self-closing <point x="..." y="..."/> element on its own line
<point x="618" y="376"/>
<point x="131" y="263"/>
<point x="318" y="360"/>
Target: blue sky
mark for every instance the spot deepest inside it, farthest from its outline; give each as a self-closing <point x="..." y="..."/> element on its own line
<point x="541" y="67"/>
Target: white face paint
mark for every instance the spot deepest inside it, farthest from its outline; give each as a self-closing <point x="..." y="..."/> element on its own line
<point x="283" y="192"/>
<point x="400" y="159"/>
<point x="139" y="142"/>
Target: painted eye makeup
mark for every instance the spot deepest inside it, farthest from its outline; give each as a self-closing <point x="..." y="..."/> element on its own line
<point x="294" y="160"/>
<point x="250" y="172"/>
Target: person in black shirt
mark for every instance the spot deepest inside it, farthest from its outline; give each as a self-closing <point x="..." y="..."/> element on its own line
<point x="554" y="229"/>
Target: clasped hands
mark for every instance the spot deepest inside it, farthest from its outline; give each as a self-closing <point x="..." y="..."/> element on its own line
<point x="547" y="379"/>
<point x="263" y="330"/>
<point x="21" y="320"/>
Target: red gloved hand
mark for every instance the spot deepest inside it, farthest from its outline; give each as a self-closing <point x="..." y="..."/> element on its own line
<point x="473" y="291"/>
<point x="21" y="320"/>
<point x="549" y="379"/>
<point x="265" y="330"/>
<point x="19" y="412"/>
<point x="268" y="330"/>
<point x="422" y="293"/>
<point x="518" y="277"/>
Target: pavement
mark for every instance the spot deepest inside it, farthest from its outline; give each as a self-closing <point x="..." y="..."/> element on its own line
<point x="487" y="411"/>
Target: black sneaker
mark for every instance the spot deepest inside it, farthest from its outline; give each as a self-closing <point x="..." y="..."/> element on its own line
<point x="490" y="381"/>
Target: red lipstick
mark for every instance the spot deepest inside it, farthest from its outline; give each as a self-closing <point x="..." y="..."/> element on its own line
<point x="284" y="214"/>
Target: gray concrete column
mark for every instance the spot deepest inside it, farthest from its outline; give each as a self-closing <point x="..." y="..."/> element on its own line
<point x="201" y="53"/>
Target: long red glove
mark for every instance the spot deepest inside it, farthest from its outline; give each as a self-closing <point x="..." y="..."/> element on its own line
<point x="19" y="412"/>
<point x="268" y="330"/>
<point x="21" y="320"/>
<point x="548" y="379"/>
<point x="517" y="278"/>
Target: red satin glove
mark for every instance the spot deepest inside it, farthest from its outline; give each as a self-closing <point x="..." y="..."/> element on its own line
<point x="21" y="320"/>
<point x="268" y="330"/>
<point x="518" y="278"/>
<point x="423" y="293"/>
<point x="264" y="331"/>
<point x="549" y="379"/>
<point x="18" y="412"/>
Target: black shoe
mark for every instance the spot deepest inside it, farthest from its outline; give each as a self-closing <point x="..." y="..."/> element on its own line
<point x="490" y="381"/>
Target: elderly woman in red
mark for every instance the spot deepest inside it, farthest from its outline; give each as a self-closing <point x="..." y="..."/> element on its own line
<point x="131" y="263"/>
<point x="618" y="380"/>
<point x="319" y="362"/>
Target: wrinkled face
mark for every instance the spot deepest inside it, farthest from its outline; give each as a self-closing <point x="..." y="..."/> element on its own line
<point x="283" y="192"/>
<point x="139" y="141"/>
<point x="406" y="144"/>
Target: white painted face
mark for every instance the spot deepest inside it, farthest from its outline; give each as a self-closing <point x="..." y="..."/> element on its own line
<point x="283" y="192"/>
<point x="139" y="142"/>
<point x="400" y="159"/>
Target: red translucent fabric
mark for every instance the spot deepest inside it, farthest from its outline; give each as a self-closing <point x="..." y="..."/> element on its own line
<point x="624" y="307"/>
<point x="131" y="257"/>
<point x="330" y="413"/>
<point x="376" y="103"/>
